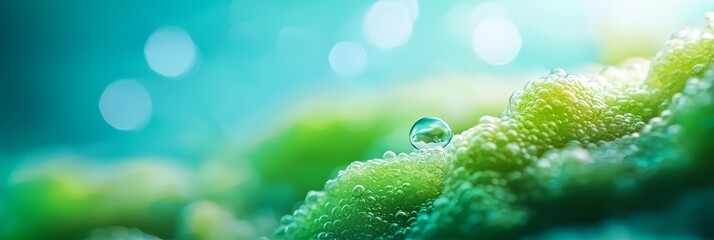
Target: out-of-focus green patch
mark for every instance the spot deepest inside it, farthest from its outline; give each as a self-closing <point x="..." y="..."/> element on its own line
<point x="686" y="218"/>
<point x="67" y="196"/>
<point x="207" y="220"/>
<point x="119" y="233"/>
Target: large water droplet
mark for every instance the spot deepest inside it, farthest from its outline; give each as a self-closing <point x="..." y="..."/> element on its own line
<point x="430" y="132"/>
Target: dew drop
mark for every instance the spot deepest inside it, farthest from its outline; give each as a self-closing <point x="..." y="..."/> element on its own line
<point x="430" y="132"/>
<point x="400" y="215"/>
<point x="698" y="68"/>
<point x="291" y="229"/>
<point x="558" y="72"/>
<point x="312" y="197"/>
<point x="358" y="190"/>
<point x="285" y="220"/>
<point x="389" y="155"/>
<point x="328" y="226"/>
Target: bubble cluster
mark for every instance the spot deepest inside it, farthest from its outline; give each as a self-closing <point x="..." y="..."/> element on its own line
<point x="376" y="199"/>
<point x="553" y="112"/>
<point x="566" y="141"/>
<point x="686" y="54"/>
<point x="651" y="166"/>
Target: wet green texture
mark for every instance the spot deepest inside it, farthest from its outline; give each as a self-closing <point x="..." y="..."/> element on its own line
<point x="377" y="198"/>
<point x="568" y="149"/>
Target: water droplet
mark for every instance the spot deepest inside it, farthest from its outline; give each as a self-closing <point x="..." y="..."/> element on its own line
<point x="328" y="226"/>
<point x="285" y="220"/>
<point x="558" y="72"/>
<point x="358" y="190"/>
<point x="430" y="132"/>
<point x="698" y="68"/>
<point x="389" y="155"/>
<point x="291" y="229"/>
<point x="312" y="197"/>
<point x="400" y="214"/>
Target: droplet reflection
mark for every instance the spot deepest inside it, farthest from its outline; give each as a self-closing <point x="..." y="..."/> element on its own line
<point x="430" y="132"/>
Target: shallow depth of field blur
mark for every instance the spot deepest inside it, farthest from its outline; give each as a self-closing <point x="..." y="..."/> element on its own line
<point x="211" y="119"/>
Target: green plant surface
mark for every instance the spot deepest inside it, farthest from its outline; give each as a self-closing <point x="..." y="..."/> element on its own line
<point x="567" y="149"/>
<point x="377" y="198"/>
<point x="324" y="135"/>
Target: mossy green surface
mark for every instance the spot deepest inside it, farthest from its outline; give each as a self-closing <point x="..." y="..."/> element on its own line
<point x="377" y="198"/>
<point x="568" y="149"/>
<point x="325" y="134"/>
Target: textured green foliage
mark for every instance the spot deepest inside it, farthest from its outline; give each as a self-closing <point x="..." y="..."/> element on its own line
<point x="318" y="139"/>
<point x="550" y="113"/>
<point x="377" y="198"/>
<point x="558" y="149"/>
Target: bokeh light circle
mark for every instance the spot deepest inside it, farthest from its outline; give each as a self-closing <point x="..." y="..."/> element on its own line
<point x="126" y="105"/>
<point x="412" y="7"/>
<point x="348" y="59"/>
<point x="388" y="24"/>
<point x="496" y="40"/>
<point x="170" y="51"/>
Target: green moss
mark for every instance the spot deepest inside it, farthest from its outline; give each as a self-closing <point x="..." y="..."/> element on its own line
<point x="318" y="139"/>
<point x="568" y="149"/>
<point x="377" y="198"/>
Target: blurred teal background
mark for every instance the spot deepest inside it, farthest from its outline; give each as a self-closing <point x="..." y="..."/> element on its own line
<point x="211" y="119"/>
